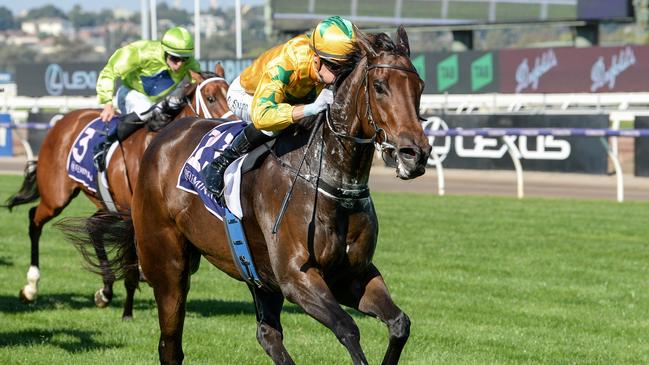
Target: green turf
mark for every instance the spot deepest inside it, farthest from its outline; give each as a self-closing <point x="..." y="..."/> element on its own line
<point x="484" y="280"/>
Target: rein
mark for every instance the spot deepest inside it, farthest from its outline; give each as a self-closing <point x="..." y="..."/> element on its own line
<point x="345" y="193"/>
<point x="200" y="103"/>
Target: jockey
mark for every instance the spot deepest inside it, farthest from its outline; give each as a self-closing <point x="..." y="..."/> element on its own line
<point x="280" y="87"/>
<point x="150" y="72"/>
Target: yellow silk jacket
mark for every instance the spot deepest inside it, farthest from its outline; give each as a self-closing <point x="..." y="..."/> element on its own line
<point x="279" y="78"/>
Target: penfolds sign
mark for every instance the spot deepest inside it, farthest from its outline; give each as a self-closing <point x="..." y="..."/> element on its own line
<point x="574" y="70"/>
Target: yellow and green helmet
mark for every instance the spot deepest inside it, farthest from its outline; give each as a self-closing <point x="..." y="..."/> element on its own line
<point x="178" y="42"/>
<point x="333" y="38"/>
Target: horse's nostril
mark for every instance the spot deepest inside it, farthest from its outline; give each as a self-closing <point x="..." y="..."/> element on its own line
<point x="408" y="153"/>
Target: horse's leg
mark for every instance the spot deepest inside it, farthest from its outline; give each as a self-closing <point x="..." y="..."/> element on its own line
<point x="165" y="260"/>
<point x="104" y="295"/>
<point x="38" y="216"/>
<point x="131" y="282"/>
<point x="370" y="295"/>
<point x="268" y="306"/>
<point x="309" y="290"/>
<point x="30" y="291"/>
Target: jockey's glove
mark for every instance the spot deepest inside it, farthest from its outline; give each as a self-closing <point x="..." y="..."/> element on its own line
<point x="325" y="98"/>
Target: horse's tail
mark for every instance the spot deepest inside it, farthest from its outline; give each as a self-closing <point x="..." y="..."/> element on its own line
<point x="111" y="234"/>
<point x="28" y="191"/>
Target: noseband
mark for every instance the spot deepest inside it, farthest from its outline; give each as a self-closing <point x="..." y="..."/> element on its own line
<point x="200" y="103"/>
<point x="383" y="145"/>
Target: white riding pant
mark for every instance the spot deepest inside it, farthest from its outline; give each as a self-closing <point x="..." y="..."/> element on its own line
<point x="132" y="101"/>
<point x="239" y="102"/>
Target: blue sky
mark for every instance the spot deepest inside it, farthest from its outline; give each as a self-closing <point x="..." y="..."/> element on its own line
<point x="18" y="6"/>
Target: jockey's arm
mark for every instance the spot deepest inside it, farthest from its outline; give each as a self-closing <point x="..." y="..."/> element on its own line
<point x="268" y="109"/>
<point x="123" y="61"/>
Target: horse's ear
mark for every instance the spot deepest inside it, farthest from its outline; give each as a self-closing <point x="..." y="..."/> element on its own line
<point x="364" y="43"/>
<point x="218" y="70"/>
<point x="197" y="77"/>
<point x="402" y="40"/>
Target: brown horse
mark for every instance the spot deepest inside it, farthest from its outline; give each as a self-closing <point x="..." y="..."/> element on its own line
<point x="321" y="255"/>
<point x="48" y="180"/>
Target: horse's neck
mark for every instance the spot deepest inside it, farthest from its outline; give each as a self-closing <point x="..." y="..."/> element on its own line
<point x="345" y="163"/>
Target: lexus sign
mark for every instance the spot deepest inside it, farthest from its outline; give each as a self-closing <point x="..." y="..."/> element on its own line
<point x="57" y="79"/>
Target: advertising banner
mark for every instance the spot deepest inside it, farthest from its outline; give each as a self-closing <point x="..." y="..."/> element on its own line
<point x="80" y="79"/>
<point x="57" y="79"/>
<point x="539" y="153"/>
<point x="604" y="9"/>
<point x="575" y="70"/>
<point x="641" y="149"/>
<point x="458" y="73"/>
<point x="6" y="142"/>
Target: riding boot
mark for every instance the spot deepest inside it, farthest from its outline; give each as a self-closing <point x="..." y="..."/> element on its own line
<point x="165" y="110"/>
<point x="128" y="124"/>
<point x="246" y="141"/>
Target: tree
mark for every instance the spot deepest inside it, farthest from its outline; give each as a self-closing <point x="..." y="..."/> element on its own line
<point x="177" y="16"/>
<point x="6" y="19"/>
<point x="80" y="18"/>
<point x="47" y="11"/>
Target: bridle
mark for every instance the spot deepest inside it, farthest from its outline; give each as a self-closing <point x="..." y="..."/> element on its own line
<point x="384" y="144"/>
<point x="200" y="103"/>
<point x="350" y="194"/>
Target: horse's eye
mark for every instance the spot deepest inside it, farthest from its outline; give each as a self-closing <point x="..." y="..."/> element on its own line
<point x="210" y="99"/>
<point x="378" y="86"/>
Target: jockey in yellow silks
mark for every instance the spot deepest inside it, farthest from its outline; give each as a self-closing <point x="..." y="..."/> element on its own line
<point x="150" y="72"/>
<point x="282" y="86"/>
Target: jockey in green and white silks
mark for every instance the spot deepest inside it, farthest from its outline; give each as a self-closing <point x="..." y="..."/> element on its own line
<point x="149" y="71"/>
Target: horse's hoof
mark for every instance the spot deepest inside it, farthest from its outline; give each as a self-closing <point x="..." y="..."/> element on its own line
<point x="26" y="298"/>
<point x="101" y="301"/>
<point x="127" y="318"/>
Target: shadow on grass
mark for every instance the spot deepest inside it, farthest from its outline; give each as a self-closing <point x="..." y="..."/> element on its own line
<point x="5" y="261"/>
<point x="11" y="304"/>
<point x="72" y="341"/>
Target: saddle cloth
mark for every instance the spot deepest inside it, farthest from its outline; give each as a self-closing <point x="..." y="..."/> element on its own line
<point x="80" y="164"/>
<point x="191" y="180"/>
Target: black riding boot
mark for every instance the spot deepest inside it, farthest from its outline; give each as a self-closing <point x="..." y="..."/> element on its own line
<point x="128" y="124"/>
<point x="246" y="141"/>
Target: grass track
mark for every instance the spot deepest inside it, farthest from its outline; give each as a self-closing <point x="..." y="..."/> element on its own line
<point x="484" y="280"/>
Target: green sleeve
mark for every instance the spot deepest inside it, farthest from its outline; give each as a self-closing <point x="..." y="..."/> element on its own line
<point x="194" y="65"/>
<point x="121" y="63"/>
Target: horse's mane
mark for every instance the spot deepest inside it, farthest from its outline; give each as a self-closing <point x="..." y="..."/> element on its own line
<point x="380" y="42"/>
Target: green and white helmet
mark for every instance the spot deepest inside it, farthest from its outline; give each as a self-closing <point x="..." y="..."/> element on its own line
<point x="178" y="42"/>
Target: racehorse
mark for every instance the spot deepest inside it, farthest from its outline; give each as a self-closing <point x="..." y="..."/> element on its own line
<point x="321" y="255"/>
<point x="48" y="179"/>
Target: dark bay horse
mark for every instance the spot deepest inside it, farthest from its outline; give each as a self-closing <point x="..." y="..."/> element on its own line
<point x="49" y="181"/>
<point x="321" y="256"/>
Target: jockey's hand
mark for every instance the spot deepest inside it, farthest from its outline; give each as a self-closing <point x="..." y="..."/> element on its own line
<point x="325" y="98"/>
<point x="108" y="113"/>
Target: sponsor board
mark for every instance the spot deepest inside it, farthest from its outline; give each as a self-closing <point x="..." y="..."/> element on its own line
<point x="574" y="70"/>
<point x="458" y="73"/>
<point x="538" y="153"/>
<point x="6" y="141"/>
<point x="641" y="149"/>
<point x="80" y="79"/>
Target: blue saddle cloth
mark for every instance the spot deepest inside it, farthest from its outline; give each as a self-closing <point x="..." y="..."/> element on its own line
<point x="190" y="178"/>
<point x="80" y="166"/>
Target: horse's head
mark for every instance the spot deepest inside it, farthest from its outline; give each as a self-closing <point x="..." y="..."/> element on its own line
<point x="207" y="94"/>
<point x="386" y="92"/>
